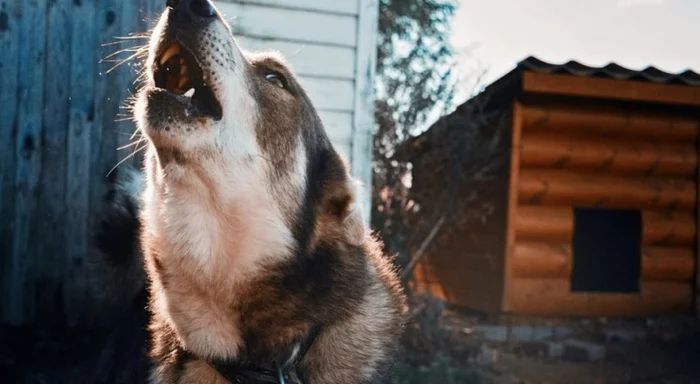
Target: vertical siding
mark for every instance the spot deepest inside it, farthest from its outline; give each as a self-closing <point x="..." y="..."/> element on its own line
<point x="106" y="96"/>
<point x="51" y="210"/>
<point x="9" y="65"/>
<point x="78" y="148"/>
<point x="27" y="158"/>
<point x="57" y="141"/>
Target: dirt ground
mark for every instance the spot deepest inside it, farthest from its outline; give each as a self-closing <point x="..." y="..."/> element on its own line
<point x="449" y="346"/>
<point x="41" y="355"/>
<point x="664" y="350"/>
<point x="637" y="362"/>
<point x="441" y="347"/>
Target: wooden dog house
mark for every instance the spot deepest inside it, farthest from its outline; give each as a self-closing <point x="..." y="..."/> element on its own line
<point x="595" y="209"/>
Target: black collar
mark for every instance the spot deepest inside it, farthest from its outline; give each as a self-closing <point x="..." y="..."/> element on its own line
<point x="238" y="373"/>
<point x="278" y="372"/>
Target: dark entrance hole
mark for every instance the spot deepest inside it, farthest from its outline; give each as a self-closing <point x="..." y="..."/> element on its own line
<point x="607" y="255"/>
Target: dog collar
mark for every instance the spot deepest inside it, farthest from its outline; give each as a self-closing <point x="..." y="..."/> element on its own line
<point x="236" y="373"/>
<point x="276" y="373"/>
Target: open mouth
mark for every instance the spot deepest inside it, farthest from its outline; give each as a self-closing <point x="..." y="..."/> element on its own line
<point x="177" y="71"/>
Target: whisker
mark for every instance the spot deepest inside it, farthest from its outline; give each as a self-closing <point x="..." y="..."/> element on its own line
<point x="123" y="40"/>
<point x="134" y="134"/>
<point x="297" y="51"/>
<point x="141" y="77"/>
<point x="125" y="61"/>
<point x="131" y="49"/>
<point x="113" y="43"/>
<point x="137" y="142"/>
<point x="134" y="36"/>
<point x="136" y="150"/>
<point x="125" y="159"/>
<point x="123" y="133"/>
<point x="138" y="54"/>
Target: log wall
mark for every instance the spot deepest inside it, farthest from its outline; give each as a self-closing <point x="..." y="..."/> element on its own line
<point x="568" y="156"/>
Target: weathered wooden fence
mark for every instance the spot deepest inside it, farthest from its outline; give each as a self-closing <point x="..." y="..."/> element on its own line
<point x="59" y="133"/>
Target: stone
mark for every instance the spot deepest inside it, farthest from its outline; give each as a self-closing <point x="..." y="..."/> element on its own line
<point x="562" y="332"/>
<point x="494" y="333"/>
<point x="578" y="350"/>
<point x="623" y="335"/>
<point x="486" y="356"/>
<point x="555" y="350"/>
<point x="526" y="333"/>
<point x="520" y="333"/>
<point x="537" y="349"/>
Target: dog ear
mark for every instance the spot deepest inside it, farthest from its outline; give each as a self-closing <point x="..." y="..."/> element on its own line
<point x="344" y="212"/>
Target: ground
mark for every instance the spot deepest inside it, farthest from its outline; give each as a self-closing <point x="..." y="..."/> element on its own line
<point x="525" y="350"/>
<point x="444" y="346"/>
<point x="48" y="355"/>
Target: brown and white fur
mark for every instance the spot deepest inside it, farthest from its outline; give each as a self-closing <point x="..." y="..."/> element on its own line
<point x="250" y="226"/>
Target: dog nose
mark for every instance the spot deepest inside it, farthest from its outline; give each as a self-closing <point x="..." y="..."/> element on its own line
<point x="201" y="8"/>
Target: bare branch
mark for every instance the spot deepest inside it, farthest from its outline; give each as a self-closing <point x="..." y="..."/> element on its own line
<point x="408" y="271"/>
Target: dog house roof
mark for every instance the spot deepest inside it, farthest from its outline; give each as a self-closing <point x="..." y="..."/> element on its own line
<point x="609" y="71"/>
<point x="501" y="92"/>
<point x="510" y="84"/>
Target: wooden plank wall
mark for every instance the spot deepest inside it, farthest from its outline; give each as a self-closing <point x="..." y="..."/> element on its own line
<point x="10" y="24"/>
<point x="58" y="137"/>
<point x="570" y="156"/>
<point x="27" y="150"/>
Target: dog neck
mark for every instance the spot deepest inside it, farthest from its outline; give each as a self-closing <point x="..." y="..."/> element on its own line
<point x="221" y="219"/>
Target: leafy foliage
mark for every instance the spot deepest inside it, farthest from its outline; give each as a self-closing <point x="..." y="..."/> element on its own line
<point x="415" y="81"/>
<point x="414" y="60"/>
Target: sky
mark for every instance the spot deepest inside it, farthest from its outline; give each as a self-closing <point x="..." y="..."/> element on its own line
<point x="491" y="36"/>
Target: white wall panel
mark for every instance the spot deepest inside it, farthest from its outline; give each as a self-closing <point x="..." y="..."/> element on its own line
<point x="334" y="6"/>
<point x="290" y="24"/>
<point x="331" y="45"/>
<point x="332" y="94"/>
<point x="308" y="58"/>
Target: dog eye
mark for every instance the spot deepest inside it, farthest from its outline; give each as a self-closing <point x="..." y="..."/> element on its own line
<point x="275" y="79"/>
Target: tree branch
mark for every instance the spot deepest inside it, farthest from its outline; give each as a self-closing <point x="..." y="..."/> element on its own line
<point x="408" y="271"/>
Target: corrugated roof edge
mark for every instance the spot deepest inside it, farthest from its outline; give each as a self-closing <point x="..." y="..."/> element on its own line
<point x="508" y="83"/>
<point x="611" y="71"/>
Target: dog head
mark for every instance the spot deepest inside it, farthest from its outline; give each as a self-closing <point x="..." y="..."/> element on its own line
<point x="227" y="125"/>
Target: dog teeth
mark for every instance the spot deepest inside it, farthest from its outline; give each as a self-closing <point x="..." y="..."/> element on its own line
<point x="189" y="93"/>
<point x="172" y="50"/>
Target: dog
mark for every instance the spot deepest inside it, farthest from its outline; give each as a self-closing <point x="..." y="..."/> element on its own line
<point x="259" y="266"/>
